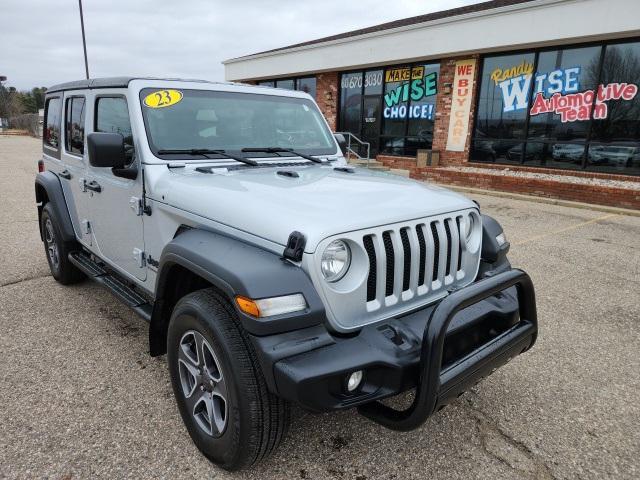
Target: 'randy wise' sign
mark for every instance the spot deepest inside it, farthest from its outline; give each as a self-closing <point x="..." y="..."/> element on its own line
<point x="558" y="92"/>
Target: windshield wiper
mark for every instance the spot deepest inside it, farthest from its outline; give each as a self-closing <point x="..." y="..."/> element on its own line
<point x="283" y="150"/>
<point x="207" y="151"/>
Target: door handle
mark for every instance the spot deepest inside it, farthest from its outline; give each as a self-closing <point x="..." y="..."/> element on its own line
<point x="65" y="174"/>
<point x="93" y="186"/>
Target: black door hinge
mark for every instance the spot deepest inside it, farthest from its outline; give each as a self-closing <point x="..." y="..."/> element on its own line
<point x="152" y="261"/>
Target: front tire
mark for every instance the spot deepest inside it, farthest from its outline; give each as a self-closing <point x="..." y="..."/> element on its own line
<point x="57" y="250"/>
<point x="219" y="388"/>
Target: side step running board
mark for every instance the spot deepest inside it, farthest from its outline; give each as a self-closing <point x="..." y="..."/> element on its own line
<point x="95" y="272"/>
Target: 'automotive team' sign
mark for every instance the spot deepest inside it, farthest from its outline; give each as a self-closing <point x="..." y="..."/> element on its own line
<point x="558" y="91"/>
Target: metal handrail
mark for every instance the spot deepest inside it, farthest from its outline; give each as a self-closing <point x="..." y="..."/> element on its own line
<point x="349" y="137"/>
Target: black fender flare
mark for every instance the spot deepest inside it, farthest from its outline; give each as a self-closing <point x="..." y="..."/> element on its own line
<point x="235" y="268"/>
<point x="493" y="257"/>
<point x="50" y="183"/>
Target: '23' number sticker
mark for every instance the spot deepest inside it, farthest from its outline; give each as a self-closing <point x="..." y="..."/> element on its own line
<point x="163" y="98"/>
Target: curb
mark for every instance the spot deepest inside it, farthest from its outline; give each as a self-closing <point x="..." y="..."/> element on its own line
<point x="548" y="201"/>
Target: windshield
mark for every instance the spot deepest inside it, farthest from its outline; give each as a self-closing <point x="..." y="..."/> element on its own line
<point x="229" y="121"/>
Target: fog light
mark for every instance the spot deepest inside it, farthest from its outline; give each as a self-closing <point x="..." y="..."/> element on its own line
<point x="354" y="380"/>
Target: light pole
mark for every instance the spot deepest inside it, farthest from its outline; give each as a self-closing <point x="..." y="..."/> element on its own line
<point x="84" y="42"/>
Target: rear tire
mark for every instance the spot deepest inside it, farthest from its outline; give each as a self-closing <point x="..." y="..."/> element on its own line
<point x="218" y="384"/>
<point x="57" y="250"/>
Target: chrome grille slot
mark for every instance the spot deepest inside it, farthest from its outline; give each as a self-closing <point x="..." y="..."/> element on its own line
<point x="367" y="241"/>
<point x="403" y="266"/>
<point x="390" y="263"/>
<point x="436" y="251"/>
<point x="458" y="219"/>
<point x="406" y="247"/>
<point x="447" y="231"/>
<point x="423" y="254"/>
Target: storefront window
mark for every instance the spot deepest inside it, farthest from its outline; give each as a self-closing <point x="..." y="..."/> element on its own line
<point x="409" y="108"/>
<point x="420" y="132"/>
<point x="351" y="102"/>
<point x="393" y="109"/>
<point x="553" y="142"/>
<point x="288" y="84"/>
<point x="615" y="136"/>
<point x="561" y="108"/>
<point x="502" y="108"/>
<point x="373" y="82"/>
<point x="307" y="85"/>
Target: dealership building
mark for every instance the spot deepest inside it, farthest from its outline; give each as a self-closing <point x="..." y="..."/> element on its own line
<point x="528" y="96"/>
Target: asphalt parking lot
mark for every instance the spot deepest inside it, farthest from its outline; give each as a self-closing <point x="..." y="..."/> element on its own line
<point x="80" y="397"/>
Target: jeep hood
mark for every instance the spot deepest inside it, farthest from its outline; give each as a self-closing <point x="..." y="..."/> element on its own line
<point x="319" y="202"/>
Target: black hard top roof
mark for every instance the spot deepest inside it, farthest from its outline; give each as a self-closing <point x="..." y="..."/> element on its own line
<point x="114" y="82"/>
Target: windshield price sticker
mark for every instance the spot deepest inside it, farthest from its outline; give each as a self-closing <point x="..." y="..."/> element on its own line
<point x="163" y="98"/>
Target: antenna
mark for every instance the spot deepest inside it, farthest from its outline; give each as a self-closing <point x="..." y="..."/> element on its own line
<point x="84" y="42"/>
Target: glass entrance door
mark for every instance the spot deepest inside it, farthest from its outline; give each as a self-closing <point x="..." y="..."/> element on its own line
<point x="371" y="122"/>
<point x="360" y="107"/>
<point x="371" y="103"/>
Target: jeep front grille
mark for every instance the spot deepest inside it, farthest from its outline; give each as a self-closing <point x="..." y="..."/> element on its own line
<point x="399" y="267"/>
<point x="436" y="243"/>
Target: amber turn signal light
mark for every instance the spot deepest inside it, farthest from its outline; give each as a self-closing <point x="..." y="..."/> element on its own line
<point x="248" y="306"/>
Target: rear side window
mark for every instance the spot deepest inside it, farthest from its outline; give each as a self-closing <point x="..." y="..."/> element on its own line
<point x="51" y="133"/>
<point x="74" y="125"/>
<point x="112" y="116"/>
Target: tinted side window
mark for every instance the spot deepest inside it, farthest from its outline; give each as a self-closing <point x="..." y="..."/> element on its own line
<point x="74" y="125"/>
<point x="112" y="116"/>
<point x="51" y="135"/>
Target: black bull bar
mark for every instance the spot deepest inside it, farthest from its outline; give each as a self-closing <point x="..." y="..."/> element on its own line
<point x="436" y="387"/>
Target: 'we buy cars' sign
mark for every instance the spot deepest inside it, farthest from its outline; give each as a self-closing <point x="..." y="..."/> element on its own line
<point x="461" y="105"/>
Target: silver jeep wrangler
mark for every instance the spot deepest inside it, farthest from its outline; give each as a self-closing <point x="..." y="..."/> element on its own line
<point x="269" y="270"/>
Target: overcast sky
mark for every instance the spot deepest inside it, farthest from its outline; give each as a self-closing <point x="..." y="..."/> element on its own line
<point x="40" y="40"/>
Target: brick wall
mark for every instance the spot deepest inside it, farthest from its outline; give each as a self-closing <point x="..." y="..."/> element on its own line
<point x="611" y="195"/>
<point x="443" y="111"/>
<point x="327" y="97"/>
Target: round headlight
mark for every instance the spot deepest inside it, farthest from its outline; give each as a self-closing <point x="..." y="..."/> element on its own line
<point x="335" y="261"/>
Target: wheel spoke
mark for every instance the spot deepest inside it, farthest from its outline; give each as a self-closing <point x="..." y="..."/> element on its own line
<point x="197" y="404"/>
<point x="217" y="407"/>
<point x="220" y="389"/>
<point x="188" y="351"/>
<point x="211" y="365"/>
<point x="189" y="377"/>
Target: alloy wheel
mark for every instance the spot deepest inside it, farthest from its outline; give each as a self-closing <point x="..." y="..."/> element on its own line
<point x="52" y="246"/>
<point x="203" y="384"/>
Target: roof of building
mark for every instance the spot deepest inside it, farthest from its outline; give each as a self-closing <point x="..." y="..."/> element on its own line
<point x="404" y="22"/>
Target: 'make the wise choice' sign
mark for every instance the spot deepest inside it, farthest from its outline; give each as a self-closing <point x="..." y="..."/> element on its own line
<point x="460" y="105"/>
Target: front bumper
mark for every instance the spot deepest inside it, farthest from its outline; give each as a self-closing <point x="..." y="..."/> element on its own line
<point x="442" y="350"/>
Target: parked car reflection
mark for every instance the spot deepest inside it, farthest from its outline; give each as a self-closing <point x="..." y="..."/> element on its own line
<point x="534" y="151"/>
<point x="615" y="155"/>
<point x="568" y="151"/>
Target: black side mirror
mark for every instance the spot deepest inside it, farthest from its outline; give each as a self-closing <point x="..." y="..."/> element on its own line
<point x="342" y="142"/>
<point x="107" y="150"/>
